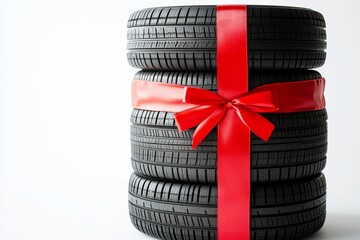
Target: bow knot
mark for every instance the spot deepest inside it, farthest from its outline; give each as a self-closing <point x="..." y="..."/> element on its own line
<point x="210" y="108"/>
<point x="230" y="104"/>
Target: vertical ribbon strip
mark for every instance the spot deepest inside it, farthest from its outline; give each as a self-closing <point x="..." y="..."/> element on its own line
<point x="233" y="136"/>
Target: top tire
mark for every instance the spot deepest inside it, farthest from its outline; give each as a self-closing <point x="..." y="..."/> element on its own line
<point x="184" y="38"/>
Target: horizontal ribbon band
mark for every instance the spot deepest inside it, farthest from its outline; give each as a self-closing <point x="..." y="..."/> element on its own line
<point x="299" y="96"/>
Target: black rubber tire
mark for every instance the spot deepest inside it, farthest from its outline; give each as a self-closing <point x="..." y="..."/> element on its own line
<point x="279" y="211"/>
<point x="164" y="153"/>
<point x="184" y="38"/>
<point x="296" y="149"/>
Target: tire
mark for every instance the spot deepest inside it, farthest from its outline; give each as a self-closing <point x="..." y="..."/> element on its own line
<point x="167" y="210"/>
<point x="184" y="38"/>
<point x="164" y="153"/>
<point x="296" y="149"/>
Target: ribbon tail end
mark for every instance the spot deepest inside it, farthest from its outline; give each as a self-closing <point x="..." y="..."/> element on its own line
<point x="268" y="133"/>
<point x="178" y="125"/>
<point x="195" y="144"/>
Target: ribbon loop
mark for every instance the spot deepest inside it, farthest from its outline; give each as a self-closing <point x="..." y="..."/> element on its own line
<point x="264" y="101"/>
<point x="199" y="96"/>
<point x="192" y="117"/>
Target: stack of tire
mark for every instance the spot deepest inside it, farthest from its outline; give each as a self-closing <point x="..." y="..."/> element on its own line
<point x="173" y="192"/>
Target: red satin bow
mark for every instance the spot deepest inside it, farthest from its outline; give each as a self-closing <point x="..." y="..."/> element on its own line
<point x="211" y="107"/>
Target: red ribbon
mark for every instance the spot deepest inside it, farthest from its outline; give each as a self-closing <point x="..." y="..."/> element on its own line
<point x="203" y="108"/>
<point x="235" y="111"/>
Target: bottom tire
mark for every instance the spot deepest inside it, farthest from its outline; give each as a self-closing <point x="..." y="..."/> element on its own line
<point x="279" y="211"/>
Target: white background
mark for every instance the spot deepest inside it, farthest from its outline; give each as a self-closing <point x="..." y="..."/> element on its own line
<point x="65" y="109"/>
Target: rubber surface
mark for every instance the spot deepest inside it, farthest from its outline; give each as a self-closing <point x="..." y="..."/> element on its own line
<point x="279" y="211"/>
<point x="164" y="153"/>
<point x="208" y="79"/>
<point x="184" y="38"/>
